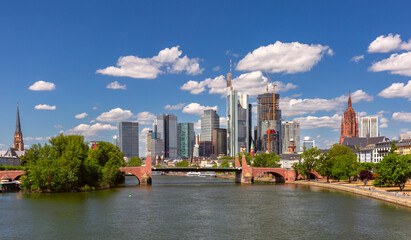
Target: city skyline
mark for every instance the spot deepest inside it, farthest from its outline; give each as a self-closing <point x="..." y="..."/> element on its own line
<point x="84" y="72"/>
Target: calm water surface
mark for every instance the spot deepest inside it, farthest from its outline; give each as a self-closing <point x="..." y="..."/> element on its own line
<point x="201" y="208"/>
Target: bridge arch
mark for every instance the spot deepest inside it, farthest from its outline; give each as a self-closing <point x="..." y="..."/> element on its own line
<point x="279" y="178"/>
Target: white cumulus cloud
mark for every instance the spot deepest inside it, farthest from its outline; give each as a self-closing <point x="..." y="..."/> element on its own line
<point x="223" y="121"/>
<point x="311" y="122"/>
<point x="313" y="105"/>
<point x="252" y="83"/>
<point x="174" y="107"/>
<point x="396" y="64"/>
<point x="81" y="115"/>
<point x="197" y="109"/>
<point x="115" y="115"/>
<point x="91" y="130"/>
<point x="280" y="57"/>
<point x="397" y="90"/>
<point x="116" y="85"/>
<point x="145" y="118"/>
<point x="44" y="107"/>
<point x="42" y="86"/>
<point x="357" y="58"/>
<point x="384" y="44"/>
<point x="402" y="116"/>
<point x="168" y="60"/>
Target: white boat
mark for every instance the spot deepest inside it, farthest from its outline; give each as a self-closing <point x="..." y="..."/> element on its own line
<point x="193" y="174"/>
<point x="207" y="174"/>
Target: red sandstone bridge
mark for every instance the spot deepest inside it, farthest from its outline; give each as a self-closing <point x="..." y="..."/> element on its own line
<point x="244" y="173"/>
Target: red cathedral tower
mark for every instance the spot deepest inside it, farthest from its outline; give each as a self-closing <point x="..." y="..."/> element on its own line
<point x="18" y="136"/>
<point x="349" y="122"/>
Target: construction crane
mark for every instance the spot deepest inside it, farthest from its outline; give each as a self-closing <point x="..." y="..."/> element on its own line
<point x="289" y="115"/>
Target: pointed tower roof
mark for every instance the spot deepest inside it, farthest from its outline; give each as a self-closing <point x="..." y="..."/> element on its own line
<point x="349" y="98"/>
<point x="18" y="128"/>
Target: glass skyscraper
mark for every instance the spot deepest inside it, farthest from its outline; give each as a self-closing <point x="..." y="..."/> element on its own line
<point x="165" y="128"/>
<point x="186" y="139"/>
<point x="209" y="121"/>
<point x="290" y="130"/>
<point x="128" y="139"/>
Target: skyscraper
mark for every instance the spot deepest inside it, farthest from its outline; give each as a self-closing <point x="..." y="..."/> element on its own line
<point x="115" y="140"/>
<point x="369" y="127"/>
<point x="148" y="143"/>
<point x="209" y="121"/>
<point x="165" y="127"/>
<point x="128" y="139"/>
<point x="349" y="122"/>
<point x="219" y="141"/>
<point x="265" y="124"/>
<point x="290" y="131"/>
<point x="238" y="121"/>
<point x="308" y="143"/>
<point x="186" y="139"/>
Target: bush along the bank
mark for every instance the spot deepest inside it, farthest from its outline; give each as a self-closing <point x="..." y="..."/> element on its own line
<point x="67" y="164"/>
<point x="394" y="170"/>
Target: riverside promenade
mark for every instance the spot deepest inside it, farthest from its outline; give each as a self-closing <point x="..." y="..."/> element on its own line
<point x="368" y="191"/>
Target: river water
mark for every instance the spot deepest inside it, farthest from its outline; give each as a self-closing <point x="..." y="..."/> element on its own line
<point x="177" y="207"/>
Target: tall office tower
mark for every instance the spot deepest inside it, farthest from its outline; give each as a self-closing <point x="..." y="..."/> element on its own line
<point x="308" y="143"/>
<point x="219" y="141"/>
<point x="186" y="139"/>
<point x="349" y="122"/>
<point x="290" y="131"/>
<point x="115" y="140"/>
<point x="148" y="142"/>
<point x="157" y="148"/>
<point x="238" y="122"/>
<point x="198" y="136"/>
<point x="165" y="127"/>
<point x="128" y="139"/>
<point x="265" y="124"/>
<point x="369" y="127"/>
<point x="209" y="121"/>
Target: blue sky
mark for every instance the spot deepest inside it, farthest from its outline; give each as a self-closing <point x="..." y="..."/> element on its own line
<point x="177" y="53"/>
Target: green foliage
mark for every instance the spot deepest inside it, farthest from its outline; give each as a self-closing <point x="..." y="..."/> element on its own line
<point x="182" y="164"/>
<point x="394" y="170"/>
<point x="227" y="157"/>
<point x="369" y="166"/>
<point x="214" y="165"/>
<point x="310" y="157"/>
<point x="67" y="164"/>
<point x="325" y="163"/>
<point x="225" y="164"/>
<point x="247" y="155"/>
<point x="134" y="162"/>
<point x="345" y="166"/>
<point x="270" y="160"/>
<point x="10" y="168"/>
<point x="393" y="147"/>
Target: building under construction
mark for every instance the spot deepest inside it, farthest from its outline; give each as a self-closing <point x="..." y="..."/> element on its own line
<point x="268" y="134"/>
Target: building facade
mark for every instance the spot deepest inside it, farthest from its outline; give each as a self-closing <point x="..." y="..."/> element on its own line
<point x="128" y="139"/>
<point x="349" y="122"/>
<point x="308" y="143"/>
<point x="369" y="127"/>
<point x="219" y="141"/>
<point x="165" y="128"/>
<point x="290" y="132"/>
<point x="268" y="137"/>
<point x="238" y="122"/>
<point x="148" y="142"/>
<point x="157" y="148"/>
<point x="209" y="121"/>
<point x="186" y="140"/>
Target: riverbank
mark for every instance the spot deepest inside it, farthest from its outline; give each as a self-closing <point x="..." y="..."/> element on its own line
<point x="363" y="191"/>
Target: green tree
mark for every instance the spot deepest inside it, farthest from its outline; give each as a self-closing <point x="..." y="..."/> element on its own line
<point x="325" y="163"/>
<point x="345" y="166"/>
<point x="134" y="162"/>
<point x="394" y="170"/>
<point x="225" y="164"/>
<point x="310" y="158"/>
<point x="182" y="164"/>
<point x="271" y="160"/>
<point x="247" y="155"/>
<point x="393" y="147"/>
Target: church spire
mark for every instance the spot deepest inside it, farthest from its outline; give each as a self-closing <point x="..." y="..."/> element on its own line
<point x="349" y="99"/>
<point x="18" y="128"/>
<point x="18" y="136"/>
